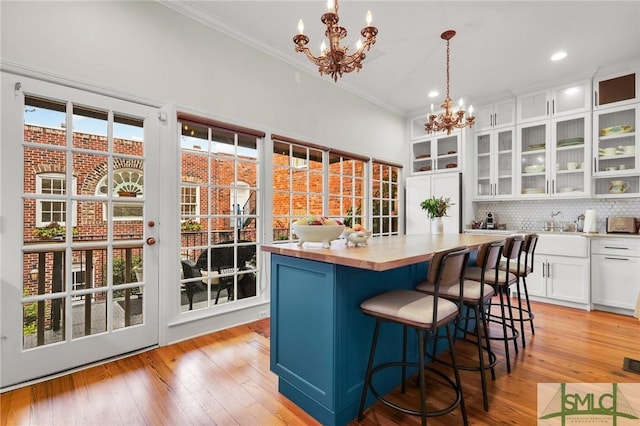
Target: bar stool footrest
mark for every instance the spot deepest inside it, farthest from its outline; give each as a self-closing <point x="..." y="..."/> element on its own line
<point x="381" y="398"/>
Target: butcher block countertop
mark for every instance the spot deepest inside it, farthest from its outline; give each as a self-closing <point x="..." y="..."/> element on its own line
<point x="381" y="253"/>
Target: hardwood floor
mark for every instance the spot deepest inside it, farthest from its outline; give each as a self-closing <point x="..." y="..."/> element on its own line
<point x="224" y="378"/>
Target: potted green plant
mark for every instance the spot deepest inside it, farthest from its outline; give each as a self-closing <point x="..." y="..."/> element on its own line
<point x="436" y="208"/>
<point x="52" y="231"/>
<point x="190" y="225"/>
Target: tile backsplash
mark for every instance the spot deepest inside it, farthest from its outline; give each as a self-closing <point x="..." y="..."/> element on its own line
<point x="528" y="215"/>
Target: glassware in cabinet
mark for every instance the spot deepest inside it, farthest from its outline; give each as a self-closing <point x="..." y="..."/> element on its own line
<point x="570" y="139"/>
<point x="494" y="163"/>
<point x="615" y="133"/>
<point x="533" y="163"/>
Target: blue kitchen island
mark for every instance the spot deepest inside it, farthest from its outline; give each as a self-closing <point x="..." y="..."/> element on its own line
<point x="320" y="340"/>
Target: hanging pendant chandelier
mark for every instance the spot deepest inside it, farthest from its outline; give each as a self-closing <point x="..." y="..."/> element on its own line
<point x="448" y="119"/>
<point x="335" y="60"/>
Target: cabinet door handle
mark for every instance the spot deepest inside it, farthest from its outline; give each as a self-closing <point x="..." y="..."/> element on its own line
<point x="553" y="186"/>
<point x="548" y="270"/>
<point x="547" y="190"/>
<point x="547" y="107"/>
<point x="543" y="273"/>
<point x="595" y="99"/>
<point x="553" y="107"/>
<point x="616" y="258"/>
<point x="616" y="248"/>
<point x="495" y="119"/>
<point x="595" y="165"/>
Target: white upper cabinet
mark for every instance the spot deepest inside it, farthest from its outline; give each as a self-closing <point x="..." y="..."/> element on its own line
<point x="558" y="101"/>
<point x="494" y="163"/>
<point x="616" y="151"/>
<point x="494" y="116"/>
<point x="616" y="89"/>
<point x="436" y="153"/>
<point x="554" y="157"/>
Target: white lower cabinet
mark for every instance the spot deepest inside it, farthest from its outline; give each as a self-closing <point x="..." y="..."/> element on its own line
<point x="615" y="264"/>
<point x="561" y="270"/>
<point x="561" y="278"/>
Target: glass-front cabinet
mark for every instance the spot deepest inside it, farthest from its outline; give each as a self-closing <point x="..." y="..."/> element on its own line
<point x="554" y="157"/>
<point x="436" y="153"/>
<point x="616" y="158"/>
<point x="494" y="162"/>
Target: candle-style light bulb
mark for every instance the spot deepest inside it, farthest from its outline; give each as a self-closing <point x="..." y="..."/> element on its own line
<point x="470" y="110"/>
<point x="300" y="26"/>
<point x="358" y="44"/>
<point x="323" y="47"/>
<point x="369" y="18"/>
<point x="432" y="109"/>
<point x="461" y="103"/>
<point x="331" y="7"/>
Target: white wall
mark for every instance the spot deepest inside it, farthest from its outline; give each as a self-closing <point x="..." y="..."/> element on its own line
<point x="147" y="50"/>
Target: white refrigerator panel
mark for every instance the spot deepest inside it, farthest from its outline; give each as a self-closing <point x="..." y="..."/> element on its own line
<point x="418" y="188"/>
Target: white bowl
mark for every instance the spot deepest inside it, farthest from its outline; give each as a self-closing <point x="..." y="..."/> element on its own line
<point x="358" y="237"/>
<point x="536" y="168"/>
<point x="317" y="233"/>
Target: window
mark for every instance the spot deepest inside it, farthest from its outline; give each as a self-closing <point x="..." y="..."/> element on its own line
<point x="128" y="183"/>
<point x="384" y="195"/>
<point x="189" y="201"/>
<point x="51" y="209"/>
<point x="218" y="214"/>
<point x="347" y="189"/>
<point x="297" y="191"/>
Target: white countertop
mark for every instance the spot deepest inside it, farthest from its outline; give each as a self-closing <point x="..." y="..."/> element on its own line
<point x="519" y="231"/>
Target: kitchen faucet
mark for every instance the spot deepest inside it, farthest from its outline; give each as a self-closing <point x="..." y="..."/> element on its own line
<point x="553" y="220"/>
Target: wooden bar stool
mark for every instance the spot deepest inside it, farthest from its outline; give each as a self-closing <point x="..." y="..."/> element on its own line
<point x="501" y="280"/>
<point x="476" y="297"/>
<point x="522" y="270"/>
<point x="425" y="313"/>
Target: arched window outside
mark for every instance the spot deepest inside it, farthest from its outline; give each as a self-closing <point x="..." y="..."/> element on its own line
<point x="127" y="183"/>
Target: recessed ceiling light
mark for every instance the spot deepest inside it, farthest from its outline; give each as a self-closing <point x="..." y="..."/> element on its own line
<point x="558" y="55"/>
<point x="433" y="93"/>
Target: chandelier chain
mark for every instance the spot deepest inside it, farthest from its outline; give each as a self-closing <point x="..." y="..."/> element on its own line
<point x="448" y="120"/>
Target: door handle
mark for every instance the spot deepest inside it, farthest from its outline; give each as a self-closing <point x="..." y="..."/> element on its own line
<point x="151" y="224"/>
<point x="151" y="241"/>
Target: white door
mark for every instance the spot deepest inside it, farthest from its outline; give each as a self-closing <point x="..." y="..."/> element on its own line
<point x="78" y="175"/>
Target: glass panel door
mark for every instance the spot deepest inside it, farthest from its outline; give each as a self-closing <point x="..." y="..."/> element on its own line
<point x="505" y="163"/>
<point x="77" y="218"/>
<point x="570" y="161"/>
<point x="533" y="148"/>
<point x="484" y="180"/>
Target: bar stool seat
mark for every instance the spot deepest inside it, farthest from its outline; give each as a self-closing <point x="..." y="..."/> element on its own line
<point x="426" y="314"/>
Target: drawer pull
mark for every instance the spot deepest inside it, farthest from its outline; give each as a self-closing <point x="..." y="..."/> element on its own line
<point x="616" y="258"/>
<point x="616" y="248"/>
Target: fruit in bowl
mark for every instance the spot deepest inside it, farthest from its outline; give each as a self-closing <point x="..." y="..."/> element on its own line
<point x="356" y="235"/>
<point x="317" y="229"/>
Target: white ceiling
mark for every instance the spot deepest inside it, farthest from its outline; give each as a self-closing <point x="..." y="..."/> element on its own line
<point x="501" y="48"/>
